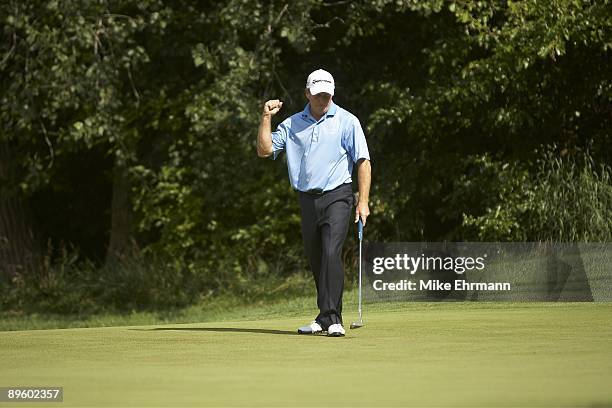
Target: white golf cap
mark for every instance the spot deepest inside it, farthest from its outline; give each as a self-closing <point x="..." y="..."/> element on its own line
<point x="320" y="81"/>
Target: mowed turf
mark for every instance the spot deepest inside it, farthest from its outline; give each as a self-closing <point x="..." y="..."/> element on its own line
<point x="443" y="354"/>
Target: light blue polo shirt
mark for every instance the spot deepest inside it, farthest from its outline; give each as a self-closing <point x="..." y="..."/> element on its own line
<point x="320" y="154"/>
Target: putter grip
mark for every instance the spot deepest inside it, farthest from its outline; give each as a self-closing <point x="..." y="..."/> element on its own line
<point x="360" y="228"/>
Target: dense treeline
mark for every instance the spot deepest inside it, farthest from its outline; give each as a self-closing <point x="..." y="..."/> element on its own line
<point x="127" y="153"/>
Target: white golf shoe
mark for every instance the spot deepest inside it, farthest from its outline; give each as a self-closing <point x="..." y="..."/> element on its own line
<point x="335" y="330"/>
<point x="312" y="328"/>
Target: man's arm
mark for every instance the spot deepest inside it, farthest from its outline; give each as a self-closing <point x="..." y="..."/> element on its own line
<point x="264" y="135"/>
<point x="364" y="173"/>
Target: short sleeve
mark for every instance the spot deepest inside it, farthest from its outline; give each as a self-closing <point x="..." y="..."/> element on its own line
<point x="355" y="142"/>
<point x="279" y="138"/>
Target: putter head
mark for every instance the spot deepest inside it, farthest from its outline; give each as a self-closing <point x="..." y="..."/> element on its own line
<point x="356" y="325"/>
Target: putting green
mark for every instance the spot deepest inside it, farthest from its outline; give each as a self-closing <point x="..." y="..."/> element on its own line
<point x="443" y="354"/>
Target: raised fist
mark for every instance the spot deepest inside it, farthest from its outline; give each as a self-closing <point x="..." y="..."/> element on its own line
<point x="272" y="106"/>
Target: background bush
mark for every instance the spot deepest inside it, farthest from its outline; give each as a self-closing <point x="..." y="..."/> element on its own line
<point x="564" y="199"/>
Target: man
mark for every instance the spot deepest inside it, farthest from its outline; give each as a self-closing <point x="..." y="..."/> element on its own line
<point x="323" y="143"/>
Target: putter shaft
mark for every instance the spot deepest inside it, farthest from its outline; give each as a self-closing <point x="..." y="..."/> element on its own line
<point x="356" y="325"/>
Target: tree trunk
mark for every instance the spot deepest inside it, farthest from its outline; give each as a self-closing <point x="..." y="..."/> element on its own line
<point x="17" y="243"/>
<point x="120" y="242"/>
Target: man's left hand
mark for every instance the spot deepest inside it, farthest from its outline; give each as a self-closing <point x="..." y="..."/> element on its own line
<point x="362" y="210"/>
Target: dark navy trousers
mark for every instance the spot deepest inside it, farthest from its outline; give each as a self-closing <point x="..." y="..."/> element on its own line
<point x="325" y="221"/>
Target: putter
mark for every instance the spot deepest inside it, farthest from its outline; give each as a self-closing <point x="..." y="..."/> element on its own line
<point x="358" y="324"/>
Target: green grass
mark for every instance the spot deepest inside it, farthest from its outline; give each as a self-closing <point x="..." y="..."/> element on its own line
<point x="417" y="354"/>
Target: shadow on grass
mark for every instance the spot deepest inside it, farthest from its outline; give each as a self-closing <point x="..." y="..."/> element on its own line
<point x="223" y="329"/>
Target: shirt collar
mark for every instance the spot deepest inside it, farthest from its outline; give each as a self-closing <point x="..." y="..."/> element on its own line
<point x="332" y="109"/>
<point x="330" y="112"/>
<point x="306" y="111"/>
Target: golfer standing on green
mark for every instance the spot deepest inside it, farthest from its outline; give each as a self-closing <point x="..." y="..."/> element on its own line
<point x="323" y="143"/>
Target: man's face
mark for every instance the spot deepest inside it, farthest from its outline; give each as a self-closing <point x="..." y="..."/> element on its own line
<point x="319" y="103"/>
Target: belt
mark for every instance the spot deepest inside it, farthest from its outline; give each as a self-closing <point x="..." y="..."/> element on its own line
<point x="319" y="191"/>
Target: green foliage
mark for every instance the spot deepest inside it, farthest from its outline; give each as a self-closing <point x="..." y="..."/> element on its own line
<point x="65" y="69"/>
<point x="456" y="98"/>
<point x="572" y="200"/>
<point x="491" y="198"/>
<point x="568" y="200"/>
<point x="63" y="283"/>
